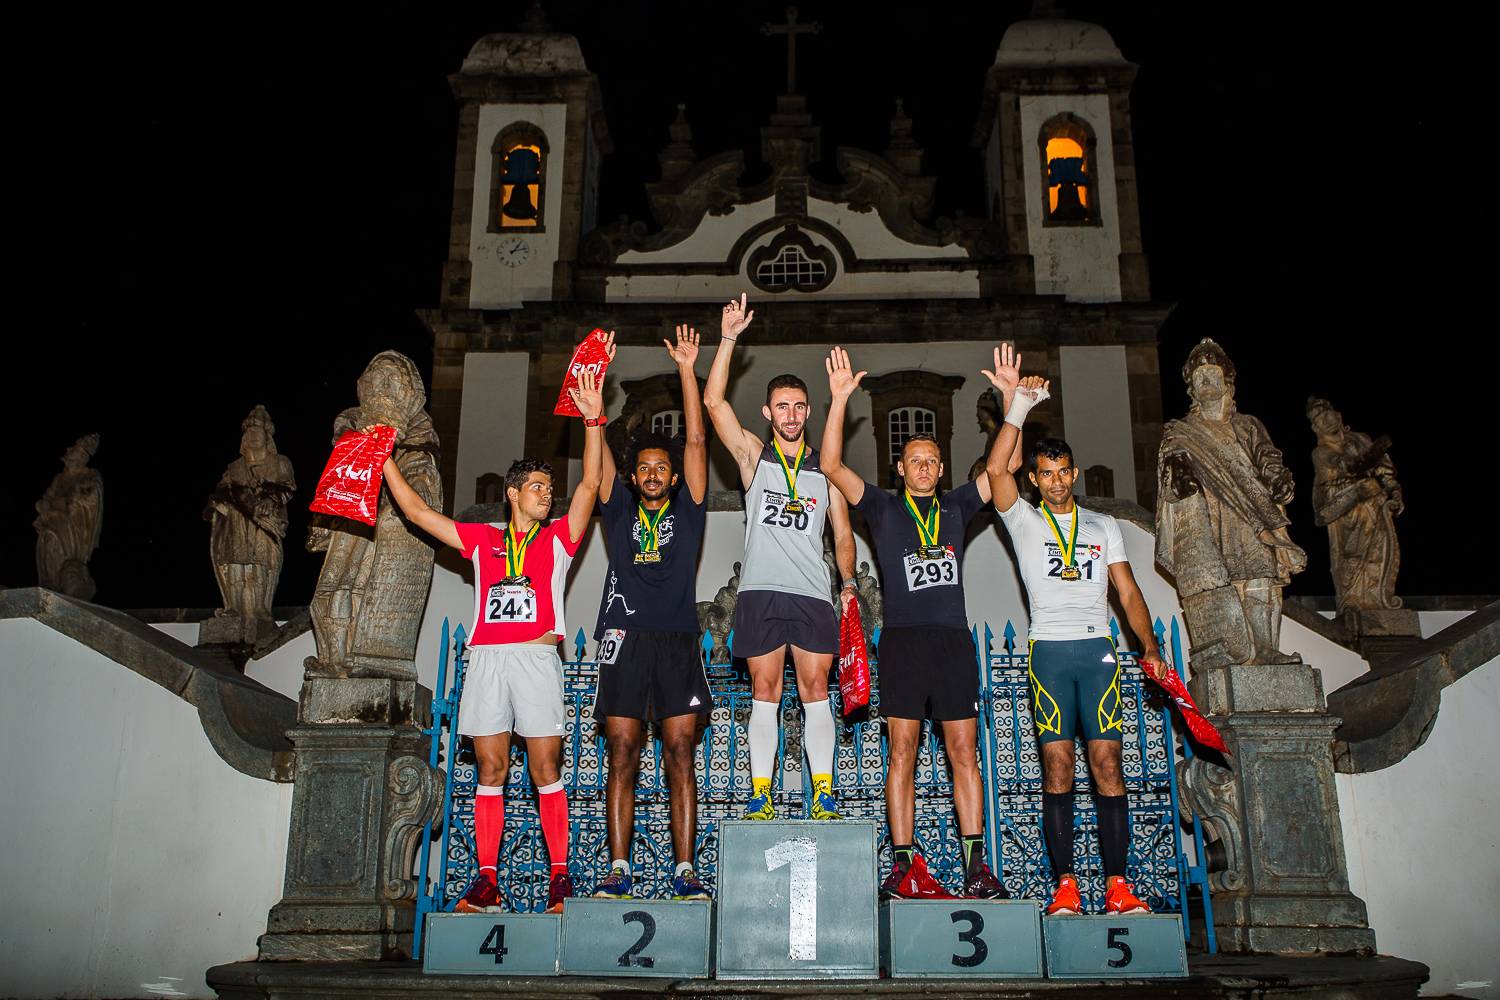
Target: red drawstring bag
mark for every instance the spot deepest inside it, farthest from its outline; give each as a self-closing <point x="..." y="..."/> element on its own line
<point x="854" y="661"/>
<point x="350" y="484"/>
<point x="589" y="356"/>
<point x="1203" y="731"/>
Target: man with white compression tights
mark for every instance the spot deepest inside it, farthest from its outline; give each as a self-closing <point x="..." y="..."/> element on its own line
<point x="1068" y="558"/>
<point x="785" y="599"/>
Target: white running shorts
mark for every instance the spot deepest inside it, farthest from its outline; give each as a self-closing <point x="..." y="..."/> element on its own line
<point x="513" y="687"/>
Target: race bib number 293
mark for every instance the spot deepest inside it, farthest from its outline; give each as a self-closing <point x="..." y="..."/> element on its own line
<point x="924" y="573"/>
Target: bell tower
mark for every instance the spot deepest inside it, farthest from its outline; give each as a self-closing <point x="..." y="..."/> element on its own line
<point x="1059" y="158"/>
<point x="531" y="133"/>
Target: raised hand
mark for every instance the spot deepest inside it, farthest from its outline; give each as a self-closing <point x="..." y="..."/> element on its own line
<point x="686" y="350"/>
<point x="589" y="396"/>
<point x="1007" y="371"/>
<point x="609" y="344"/>
<point x="1035" y="388"/>
<point x="736" y="317"/>
<point x="842" y="379"/>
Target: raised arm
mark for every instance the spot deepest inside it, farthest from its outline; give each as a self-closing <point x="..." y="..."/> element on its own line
<point x="1001" y="465"/>
<point x="437" y="525"/>
<point x="589" y="398"/>
<point x="843" y="546"/>
<point x="842" y="381"/>
<point x="695" y="448"/>
<point x="1138" y="616"/>
<point x="744" y="446"/>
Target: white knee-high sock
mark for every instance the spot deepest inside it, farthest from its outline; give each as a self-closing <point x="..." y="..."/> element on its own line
<point x="817" y="734"/>
<point x="765" y="726"/>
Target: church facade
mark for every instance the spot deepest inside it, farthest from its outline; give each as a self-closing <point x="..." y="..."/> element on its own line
<point x="1055" y="264"/>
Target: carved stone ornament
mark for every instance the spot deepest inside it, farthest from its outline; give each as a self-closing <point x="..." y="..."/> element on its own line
<point x="68" y="517"/>
<point x="371" y="593"/>
<point x="717" y="618"/>
<point x="1221" y="524"/>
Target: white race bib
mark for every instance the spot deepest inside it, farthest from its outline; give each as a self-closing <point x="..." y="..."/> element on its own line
<point x="509" y="604"/>
<point x="924" y="573"/>
<point x="609" y="646"/>
<point x="773" y="512"/>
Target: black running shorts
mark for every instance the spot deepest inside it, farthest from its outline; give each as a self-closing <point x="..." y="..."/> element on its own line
<point x="651" y="676"/>
<point x="921" y="666"/>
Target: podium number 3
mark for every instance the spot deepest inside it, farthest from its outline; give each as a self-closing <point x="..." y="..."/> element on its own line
<point x="800" y="854"/>
<point x="971" y="937"/>
<point x="1114" y="943"/>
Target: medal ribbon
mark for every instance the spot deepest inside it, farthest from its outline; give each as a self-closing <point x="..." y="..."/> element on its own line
<point x="515" y="549"/>
<point x="927" y="528"/>
<point x="790" y="470"/>
<point x="1071" y="546"/>
<point x="649" y="523"/>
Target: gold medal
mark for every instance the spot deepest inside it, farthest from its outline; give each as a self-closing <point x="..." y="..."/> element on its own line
<point x="649" y="521"/>
<point x="793" y="507"/>
<point x="927" y="527"/>
<point x="1066" y="549"/>
<point x="790" y="470"/>
<point x="652" y="556"/>
<point x="515" y="554"/>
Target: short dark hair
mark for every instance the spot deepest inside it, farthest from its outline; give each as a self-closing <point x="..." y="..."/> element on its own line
<point x="647" y="441"/>
<point x="921" y="436"/>
<point x="1053" y="448"/>
<point x="787" y="381"/>
<point x="521" y="469"/>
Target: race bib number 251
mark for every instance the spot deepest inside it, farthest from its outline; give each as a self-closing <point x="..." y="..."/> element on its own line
<point x="507" y="604"/>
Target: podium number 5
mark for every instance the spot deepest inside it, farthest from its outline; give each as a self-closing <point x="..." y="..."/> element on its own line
<point x="800" y="854"/>
<point x="1113" y="942"/>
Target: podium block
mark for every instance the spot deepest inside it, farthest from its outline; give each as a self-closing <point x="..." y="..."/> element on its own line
<point x="951" y="938"/>
<point x="797" y="900"/>
<point x="637" y="937"/>
<point x="492" y="944"/>
<point x="1106" y="947"/>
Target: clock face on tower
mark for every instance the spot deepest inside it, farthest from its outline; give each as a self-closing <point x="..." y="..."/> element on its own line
<point x="512" y="251"/>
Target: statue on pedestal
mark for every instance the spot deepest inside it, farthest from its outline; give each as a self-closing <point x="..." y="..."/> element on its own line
<point x="1356" y="496"/>
<point x="247" y="513"/>
<point x="1221" y="524"/>
<point x="372" y="590"/>
<point x="67" y="523"/>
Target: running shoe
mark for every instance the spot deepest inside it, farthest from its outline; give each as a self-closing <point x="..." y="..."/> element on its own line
<point x="824" y="805"/>
<point x="483" y="896"/>
<point x="760" y="807"/>
<point x="560" y="890"/>
<point x="913" y="882"/>
<point x="1066" y="900"/>
<point x="984" y="885"/>
<point x="615" y="885"/>
<point x="1119" y="899"/>
<point x="688" y="886"/>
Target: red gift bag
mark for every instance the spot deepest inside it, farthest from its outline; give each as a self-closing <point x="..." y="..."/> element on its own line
<point x="589" y="356"/>
<point x="350" y="484"/>
<point x="854" y="661"/>
<point x="1203" y="731"/>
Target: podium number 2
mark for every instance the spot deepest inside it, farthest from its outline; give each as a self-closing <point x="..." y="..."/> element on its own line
<point x="800" y="854"/>
<point x="494" y="944"/>
<point x="971" y="937"/>
<point x="1114" y="942"/>
<point x="633" y="956"/>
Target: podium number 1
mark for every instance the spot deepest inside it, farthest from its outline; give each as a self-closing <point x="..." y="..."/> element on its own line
<point x="800" y="854"/>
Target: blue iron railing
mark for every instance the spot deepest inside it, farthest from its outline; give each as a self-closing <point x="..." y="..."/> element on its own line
<point x="1010" y="764"/>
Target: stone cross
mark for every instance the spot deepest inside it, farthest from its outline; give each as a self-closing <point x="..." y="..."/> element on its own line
<point x="791" y="29"/>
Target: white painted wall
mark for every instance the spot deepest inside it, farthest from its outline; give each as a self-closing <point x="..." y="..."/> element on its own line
<point x="1096" y="412"/>
<point x="492" y="423"/>
<point x="711" y="241"/>
<point x="135" y="857"/>
<point x="1422" y="843"/>
<point x="1080" y="262"/>
<point x="493" y="285"/>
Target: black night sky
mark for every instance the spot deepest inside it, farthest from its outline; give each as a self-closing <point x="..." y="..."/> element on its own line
<point x="217" y="213"/>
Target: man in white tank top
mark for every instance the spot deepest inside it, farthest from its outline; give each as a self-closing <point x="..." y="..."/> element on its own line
<point x="785" y="595"/>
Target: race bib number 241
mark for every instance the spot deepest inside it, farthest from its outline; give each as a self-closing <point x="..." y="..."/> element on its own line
<point x="507" y="603"/>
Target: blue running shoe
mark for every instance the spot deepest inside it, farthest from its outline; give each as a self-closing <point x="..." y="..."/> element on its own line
<point x="760" y="807"/>
<point x="824" y="805"/>
<point x="687" y="886"/>
<point x="615" y="885"/>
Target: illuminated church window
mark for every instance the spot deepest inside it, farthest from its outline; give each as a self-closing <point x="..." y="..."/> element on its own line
<point x="519" y="179"/>
<point x="905" y="423"/>
<point x="1070" y="191"/>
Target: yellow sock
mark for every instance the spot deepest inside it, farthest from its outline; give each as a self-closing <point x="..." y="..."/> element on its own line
<point x="760" y="786"/>
<point x="823" y="783"/>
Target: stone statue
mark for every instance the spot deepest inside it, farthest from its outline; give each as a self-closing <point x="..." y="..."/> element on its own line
<point x="1356" y="496"/>
<point x="247" y="513"/>
<point x="716" y="617"/>
<point x="373" y="588"/>
<point x="67" y="523"/>
<point x="1221" y="525"/>
<point x="987" y="412"/>
<point x="871" y="603"/>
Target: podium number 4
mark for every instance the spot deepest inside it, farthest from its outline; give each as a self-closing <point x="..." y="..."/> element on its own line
<point x="800" y="854"/>
<point x="494" y="944"/>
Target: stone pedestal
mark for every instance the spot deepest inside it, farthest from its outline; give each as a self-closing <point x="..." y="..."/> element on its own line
<point x="363" y="792"/>
<point x="1282" y="884"/>
<point x="1382" y="635"/>
<point x="232" y="630"/>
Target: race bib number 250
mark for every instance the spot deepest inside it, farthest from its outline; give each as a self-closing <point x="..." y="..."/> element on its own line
<point x="507" y="604"/>
<point x="924" y="573"/>
<point x="774" y="513"/>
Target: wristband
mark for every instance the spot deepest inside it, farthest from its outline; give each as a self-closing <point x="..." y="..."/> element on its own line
<point x="849" y="583"/>
<point x="1022" y="403"/>
<point x="598" y="421"/>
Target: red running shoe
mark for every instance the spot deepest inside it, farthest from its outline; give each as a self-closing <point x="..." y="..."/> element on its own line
<point x="561" y="889"/>
<point x="1119" y="899"/>
<point x="913" y="882"/>
<point x="1066" y="900"/>
<point x="483" y="896"/>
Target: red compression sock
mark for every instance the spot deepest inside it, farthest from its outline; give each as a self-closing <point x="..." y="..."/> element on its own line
<point x="552" y="804"/>
<point x="489" y="824"/>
